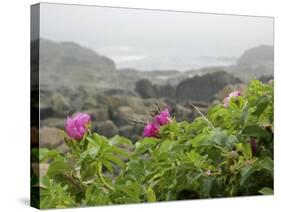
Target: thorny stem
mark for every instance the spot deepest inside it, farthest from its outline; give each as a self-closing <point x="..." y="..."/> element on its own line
<point x="74" y="181"/>
<point x="99" y="170"/>
<point x="137" y="122"/>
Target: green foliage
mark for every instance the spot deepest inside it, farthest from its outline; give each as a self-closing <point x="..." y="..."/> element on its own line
<point x="210" y="157"/>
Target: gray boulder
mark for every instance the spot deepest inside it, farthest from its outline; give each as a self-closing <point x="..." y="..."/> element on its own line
<point x="50" y="137"/>
<point x="106" y="128"/>
<point x="46" y="110"/>
<point x="99" y="114"/>
<point x="53" y="122"/>
<point x="116" y="101"/>
<point x="60" y="105"/>
<point x="122" y="115"/>
<point x="182" y="113"/>
<point x="146" y="89"/>
<point x="134" y="132"/>
<point x="204" y="88"/>
<point x="166" y="90"/>
<point x="116" y="91"/>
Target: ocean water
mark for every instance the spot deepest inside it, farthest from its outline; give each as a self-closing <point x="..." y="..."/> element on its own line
<point x="174" y="59"/>
<point x="167" y="62"/>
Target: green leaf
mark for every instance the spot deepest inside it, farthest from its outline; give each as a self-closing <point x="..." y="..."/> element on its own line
<point x="267" y="163"/>
<point x="247" y="150"/>
<point x="201" y="140"/>
<point x="119" y="140"/>
<point x="221" y="138"/>
<point x="255" y="131"/>
<point x="99" y="140"/>
<point x="165" y="146"/>
<point x="261" y="105"/>
<point x="244" y="115"/>
<point x="206" y="186"/>
<point x="44" y="153"/>
<point x="58" y="167"/>
<point x="118" y="151"/>
<point x="88" y="170"/>
<point x="136" y="169"/>
<point x="266" y="191"/>
<point x="91" y="152"/>
<point x="246" y="172"/>
<point x="114" y="159"/>
<point x="145" y="144"/>
<point x="45" y="182"/>
<point x="132" y="190"/>
<point x="151" y="197"/>
<point x="107" y="165"/>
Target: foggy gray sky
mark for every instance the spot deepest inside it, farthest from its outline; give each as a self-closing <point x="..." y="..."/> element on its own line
<point x="131" y="34"/>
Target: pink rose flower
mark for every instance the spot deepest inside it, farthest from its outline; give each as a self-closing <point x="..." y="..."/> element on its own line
<point x="270" y="82"/>
<point x="227" y="99"/>
<point x="163" y="118"/>
<point x="151" y="130"/>
<point x="76" y="126"/>
<point x="235" y="93"/>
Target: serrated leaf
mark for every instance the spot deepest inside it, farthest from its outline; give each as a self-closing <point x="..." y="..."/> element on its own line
<point x="165" y="146"/>
<point x="88" y="170"/>
<point x="99" y="140"/>
<point x="114" y="160"/>
<point x="119" y="140"/>
<point x="247" y="150"/>
<point x="107" y="165"/>
<point x="255" y="131"/>
<point x="145" y="144"/>
<point x="45" y="153"/>
<point x="261" y="105"/>
<point x="246" y="172"/>
<point x="266" y="191"/>
<point x="244" y="115"/>
<point x="267" y="163"/>
<point x="58" y="167"/>
<point x="206" y="186"/>
<point x="45" y="182"/>
<point x="118" y="151"/>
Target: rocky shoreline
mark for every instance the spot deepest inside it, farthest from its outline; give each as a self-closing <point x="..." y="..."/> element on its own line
<point x="74" y="79"/>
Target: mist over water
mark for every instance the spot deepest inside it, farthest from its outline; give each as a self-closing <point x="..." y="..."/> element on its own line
<point x="152" y="39"/>
<point x="159" y="61"/>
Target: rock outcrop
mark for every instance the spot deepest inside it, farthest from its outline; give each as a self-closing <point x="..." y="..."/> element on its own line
<point x="254" y="63"/>
<point x="204" y="88"/>
<point x="52" y="138"/>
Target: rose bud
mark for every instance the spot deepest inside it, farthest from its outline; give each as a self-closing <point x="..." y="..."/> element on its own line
<point x="151" y="130"/>
<point x="163" y="118"/>
<point x="77" y="125"/>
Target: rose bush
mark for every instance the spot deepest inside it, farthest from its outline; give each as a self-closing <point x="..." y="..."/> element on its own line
<point x="228" y="152"/>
